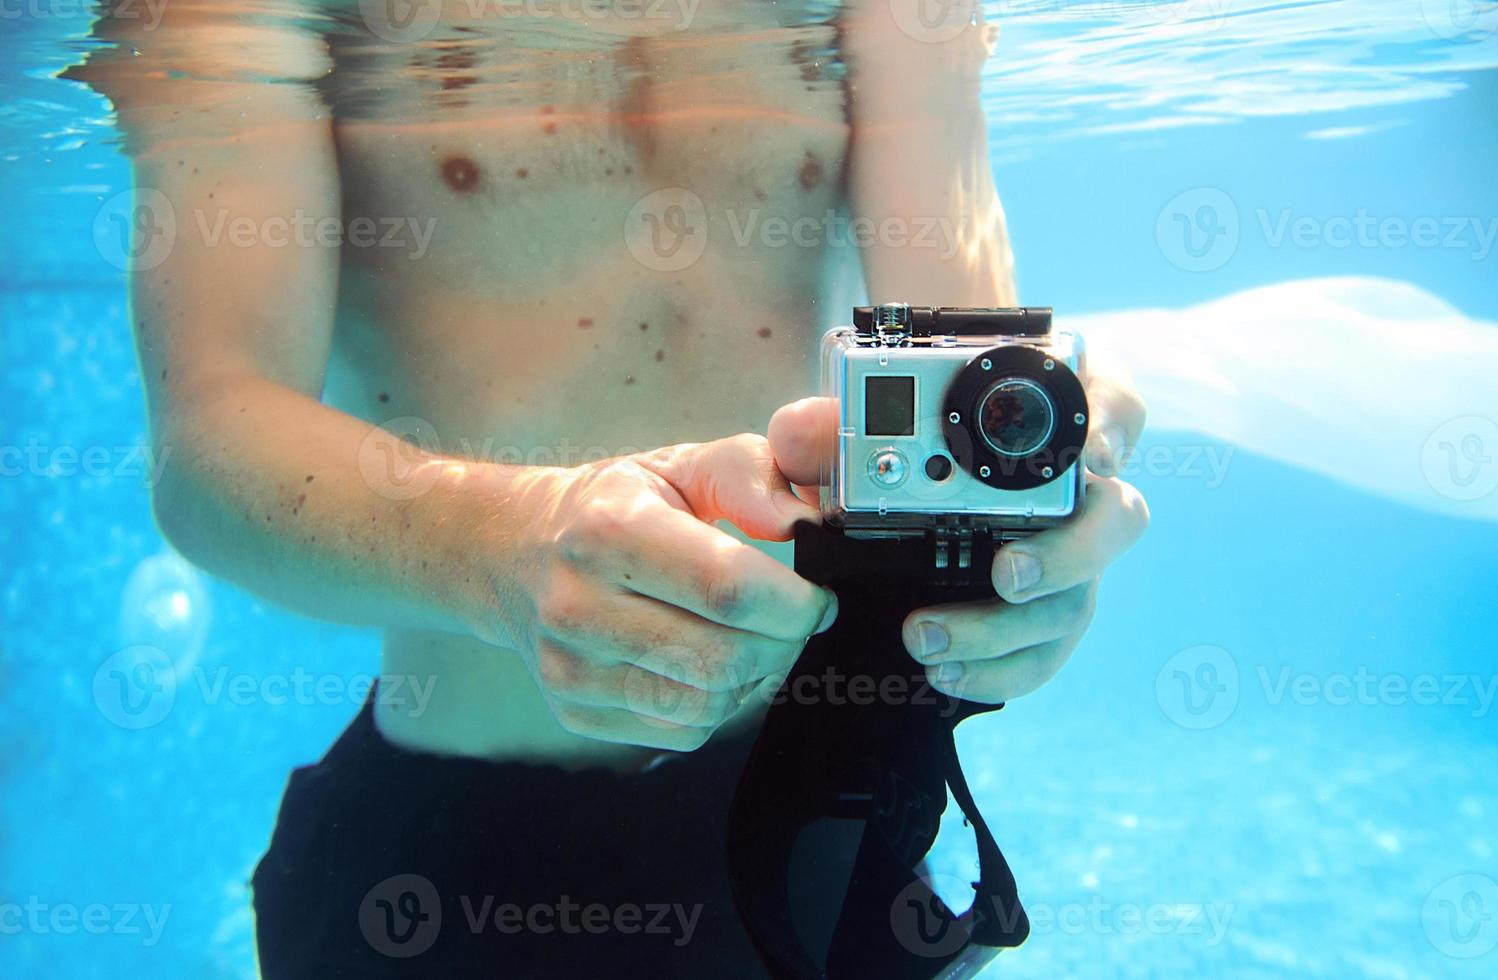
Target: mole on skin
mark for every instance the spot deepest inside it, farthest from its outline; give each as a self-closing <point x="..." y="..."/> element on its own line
<point x="460" y="173"/>
<point x="811" y="171"/>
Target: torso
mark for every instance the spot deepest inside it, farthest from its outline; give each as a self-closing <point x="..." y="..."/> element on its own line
<point x="554" y="317"/>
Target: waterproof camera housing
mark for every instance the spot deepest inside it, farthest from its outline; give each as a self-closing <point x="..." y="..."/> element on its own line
<point x="966" y="420"/>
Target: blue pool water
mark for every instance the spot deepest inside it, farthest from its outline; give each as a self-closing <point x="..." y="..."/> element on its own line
<point x="1273" y="756"/>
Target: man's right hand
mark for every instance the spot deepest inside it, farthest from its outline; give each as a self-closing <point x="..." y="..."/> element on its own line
<point x="640" y="621"/>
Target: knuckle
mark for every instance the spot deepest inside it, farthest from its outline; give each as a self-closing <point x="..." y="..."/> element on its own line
<point x="1135" y="508"/>
<point x="692" y="739"/>
<point x="599" y="519"/>
<point x="573" y="720"/>
<point x="711" y="709"/>
<point x="725" y="593"/>
<point x="556" y="670"/>
<point x="1048" y="665"/>
<point x="559" y="612"/>
<point x="1078" y="607"/>
<point x="752" y="445"/>
<point x="732" y="665"/>
<point x="1134" y="405"/>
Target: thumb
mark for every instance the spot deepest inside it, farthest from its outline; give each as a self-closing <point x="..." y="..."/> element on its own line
<point x="736" y="480"/>
<point x="802" y="435"/>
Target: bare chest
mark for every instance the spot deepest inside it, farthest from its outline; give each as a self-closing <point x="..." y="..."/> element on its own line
<point x="527" y="161"/>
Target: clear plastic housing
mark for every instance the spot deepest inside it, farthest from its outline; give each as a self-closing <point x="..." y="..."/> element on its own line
<point x="855" y="491"/>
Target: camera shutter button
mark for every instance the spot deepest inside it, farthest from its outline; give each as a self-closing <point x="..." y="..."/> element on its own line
<point x="888" y="468"/>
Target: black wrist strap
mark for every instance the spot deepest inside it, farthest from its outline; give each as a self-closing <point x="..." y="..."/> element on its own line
<point x="857" y="742"/>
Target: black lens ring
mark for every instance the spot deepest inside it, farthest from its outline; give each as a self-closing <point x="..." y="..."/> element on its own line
<point x="973" y="382"/>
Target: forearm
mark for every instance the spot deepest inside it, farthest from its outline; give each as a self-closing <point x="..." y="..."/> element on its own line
<point x="920" y="162"/>
<point x="324" y="514"/>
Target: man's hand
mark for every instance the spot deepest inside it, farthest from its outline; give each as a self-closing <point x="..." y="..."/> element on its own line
<point x="640" y="621"/>
<point x="1000" y="649"/>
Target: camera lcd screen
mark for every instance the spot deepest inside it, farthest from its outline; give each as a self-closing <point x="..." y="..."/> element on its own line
<point x="888" y="406"/>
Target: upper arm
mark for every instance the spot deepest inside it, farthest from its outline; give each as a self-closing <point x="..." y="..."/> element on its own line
<point x="231" y="149"/>
<point x="919" y="156"/>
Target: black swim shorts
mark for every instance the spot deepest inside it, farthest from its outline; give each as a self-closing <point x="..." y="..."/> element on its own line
<point x="392" y="863"/>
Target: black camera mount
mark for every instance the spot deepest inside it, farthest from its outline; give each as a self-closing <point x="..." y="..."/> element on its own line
<point x="876" y="769"/>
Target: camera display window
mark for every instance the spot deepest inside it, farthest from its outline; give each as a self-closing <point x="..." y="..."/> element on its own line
<point x="889" y="405"/>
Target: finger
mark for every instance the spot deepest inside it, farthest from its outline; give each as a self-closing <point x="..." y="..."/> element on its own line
<point x="736" y="480"/>
<point x="1113" y="517"/>
<point x="668" y="554"/>
<point x="992" y="628"/>
<point x="626" y="727"/>
<point x="1117" y="422"/>
<point x="1003" y="678"/>
<point x="570" y="676"/>
<point x="625" y="628"/>
<point x="802" y="434"/>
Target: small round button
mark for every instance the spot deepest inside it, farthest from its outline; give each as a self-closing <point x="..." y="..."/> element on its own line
<point x="938" y="467"/>
<point x="888" y="468"/>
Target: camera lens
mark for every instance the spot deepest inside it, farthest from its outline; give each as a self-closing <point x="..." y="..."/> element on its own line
<point x="1016" y="417"/>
